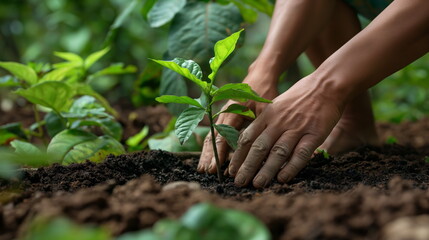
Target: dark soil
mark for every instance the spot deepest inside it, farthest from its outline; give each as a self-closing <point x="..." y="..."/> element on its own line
<point x="356" y="195"/>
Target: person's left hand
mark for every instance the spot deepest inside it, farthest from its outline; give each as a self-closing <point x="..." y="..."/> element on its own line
<point x="286" y="133"/>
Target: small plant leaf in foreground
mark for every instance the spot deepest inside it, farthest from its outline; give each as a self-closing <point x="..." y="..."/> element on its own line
<point x="223" y="49"/>
<point x="241" y="92"/>
<point x="21" y="71"/>
<point x="187" y="122"/>
<point x="238" y="109"/>
<point x="178" y="99"/>
<point x="229" y="133"/>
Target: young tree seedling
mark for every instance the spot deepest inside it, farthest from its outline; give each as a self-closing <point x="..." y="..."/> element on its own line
<point x="192" y="116"/>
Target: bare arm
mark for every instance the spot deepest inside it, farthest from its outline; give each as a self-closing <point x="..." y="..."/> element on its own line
<point x="289" y="130"/>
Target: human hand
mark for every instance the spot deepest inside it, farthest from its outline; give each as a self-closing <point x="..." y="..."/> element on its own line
<point x="286" y="133"/>
<point x="265" y="84"/>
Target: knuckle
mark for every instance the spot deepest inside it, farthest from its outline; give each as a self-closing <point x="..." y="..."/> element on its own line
<point x="208" y="139"/>
<point x="280" y="150"/>
<point x="260" y="146"/>
<point x="303" y="153"/>
<point x="244" y="139"/>
<point x="220" y="139"/>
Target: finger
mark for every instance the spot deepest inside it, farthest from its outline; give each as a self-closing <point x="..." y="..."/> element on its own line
<point x="222" y="150"/>
<point x="279" y="154"/>
<point x="206" y="154"/>
<point x="222" y="146"/>
<point x="299" y="159"/>
<point x="245" y="141"/>
<point x="257" y="154"/>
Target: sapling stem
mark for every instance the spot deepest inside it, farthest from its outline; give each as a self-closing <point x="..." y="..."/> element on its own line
<point x="219" y="174"/>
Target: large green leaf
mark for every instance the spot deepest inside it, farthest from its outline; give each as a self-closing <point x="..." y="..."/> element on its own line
<point x="54" y="123"/>
<point x="178" y="99"/>
<point x="187" y="122"/>
<point x="198" y="26"/>
<point x="75" y="145"/>
<point x="147" y="6"/>
<point x="229" y="133"/>
<point x="51" y="94"/>
<point x="94" y="150"/>
<point x="237" y="91"/>
<point x="163" y="11"/>
<point x="21" y="71"/>
<point x="223" y="49"/>
<point x="187" y="68"/>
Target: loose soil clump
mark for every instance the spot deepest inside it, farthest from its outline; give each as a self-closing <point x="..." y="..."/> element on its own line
<point x="356" y="195"/>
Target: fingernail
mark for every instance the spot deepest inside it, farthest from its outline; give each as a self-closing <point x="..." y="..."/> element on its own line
<point x="212" y="165"/>
<point x="284" y="178"/>
<point x="232" y="171"/>
<point x="260" y="181"/>
<point x="239" y="180"/>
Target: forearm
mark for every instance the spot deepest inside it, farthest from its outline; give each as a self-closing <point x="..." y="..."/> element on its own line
<point x="394" y="39"/>
<point x="294" y="25"/>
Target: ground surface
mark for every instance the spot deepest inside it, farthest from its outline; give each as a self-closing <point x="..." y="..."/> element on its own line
<point x="357" y="195"/>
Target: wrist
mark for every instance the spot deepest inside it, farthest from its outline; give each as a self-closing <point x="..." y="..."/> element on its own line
<point x="266" y="70"/>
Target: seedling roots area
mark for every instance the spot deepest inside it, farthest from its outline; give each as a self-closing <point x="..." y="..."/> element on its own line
<point x="363" y="194"/>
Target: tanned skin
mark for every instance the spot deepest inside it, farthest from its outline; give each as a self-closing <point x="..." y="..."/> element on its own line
<point x="329" y="109"/>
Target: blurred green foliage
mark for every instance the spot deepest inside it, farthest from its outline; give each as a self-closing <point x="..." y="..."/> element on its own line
<point x="32" y="30"/>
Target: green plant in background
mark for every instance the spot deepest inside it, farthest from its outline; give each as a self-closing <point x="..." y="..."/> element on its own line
<point x="73" y="110"/>
<point x="190" y="117"/>
<point x="195" y="27"/>
<point x="205" y="222"/>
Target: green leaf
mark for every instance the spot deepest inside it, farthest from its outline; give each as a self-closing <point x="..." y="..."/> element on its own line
<point x="147" y="6"/>
<point x="229" y="133"/>
<point x="264" y="6"/>
<point x="187" y="68"/>
<point x="94" y="57"/>
<point x="25" y="148"/>
<point x="71" y="57"/>
<point x="238" y="109"/>
<point x="248" y="13"/>
<point x="85" y="89"/>
<point x="119" y="21"/>
<point x="187" y="122"/>
<point x="169" y="142"/>
<point x="65" y="141"/>
<point x="95" y="150"/>
<point x="64" y="229"/>
<point x="177" y="99"/>
<point x="223" y="49"/>
<point x="198" y="26"/>
<point x="136" y="139"/>
<point x="20" y="71"/>
<point x="58" y="74"/>
<point x="54" y="95"/>
<point x="114" y="69"/>
<point x="163" y="11"/>
<point x="54" y="123"/>
<point x="173" y="83"/>
<point x="75" y="145"/>
<point x="241" y="92"/>
<point x="108" y="126"/>
<point x="9" y="81"/>
<point x="6" y="136"/>
<point x="28" y="154"/>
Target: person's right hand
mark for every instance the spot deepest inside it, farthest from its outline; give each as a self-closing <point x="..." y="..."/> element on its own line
<point x="262" y="82"/>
